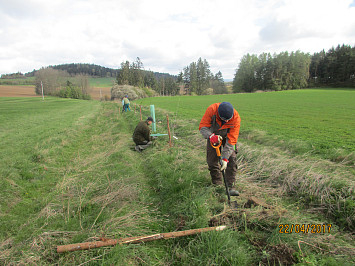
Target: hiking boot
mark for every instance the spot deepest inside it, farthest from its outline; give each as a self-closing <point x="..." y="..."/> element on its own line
<point x="217" y="182"/>
<point x="137" y="148"/>
<point x="233" y="192"/>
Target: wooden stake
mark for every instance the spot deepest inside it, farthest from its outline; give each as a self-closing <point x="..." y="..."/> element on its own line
<point x="42" y="91"/>
<point x="170" y="144"/>
<point x="134" y="240"/>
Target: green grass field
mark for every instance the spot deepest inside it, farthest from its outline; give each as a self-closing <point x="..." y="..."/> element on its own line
<point x="321" y="120"/>
<point x="68" y="174"/>
<point x="30" y="131"/>
<point x="102" y="82"/>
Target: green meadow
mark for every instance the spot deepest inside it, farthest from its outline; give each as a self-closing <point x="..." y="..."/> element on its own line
<point x="318" y="121"/>
<point x="69" y="174"/>
<point x="102" y="82"/>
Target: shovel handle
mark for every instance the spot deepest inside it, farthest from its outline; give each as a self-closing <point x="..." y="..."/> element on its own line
<point x="223" y="173"/>
<point x="217" y="148"/>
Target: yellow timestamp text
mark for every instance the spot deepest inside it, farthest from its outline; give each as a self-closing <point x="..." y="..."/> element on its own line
<point x="304" y="228"/>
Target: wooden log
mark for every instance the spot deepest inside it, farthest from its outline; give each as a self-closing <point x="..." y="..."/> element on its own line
<point x="133" y="240"/>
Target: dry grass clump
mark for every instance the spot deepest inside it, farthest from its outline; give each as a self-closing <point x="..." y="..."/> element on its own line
<point x="342" y="156"/>
<point x="314" y="183"/>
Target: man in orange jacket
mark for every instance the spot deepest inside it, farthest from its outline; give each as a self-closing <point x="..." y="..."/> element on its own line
<point x="221" y="123"/>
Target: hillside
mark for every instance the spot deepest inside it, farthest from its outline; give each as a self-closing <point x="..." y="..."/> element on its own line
<point x="73" y="69"/>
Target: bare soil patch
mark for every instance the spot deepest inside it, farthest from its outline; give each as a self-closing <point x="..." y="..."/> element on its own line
<point x="29" y="91"/>
<point x="17" y="91"/>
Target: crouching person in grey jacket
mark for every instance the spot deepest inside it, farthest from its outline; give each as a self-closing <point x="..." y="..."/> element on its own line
<point x="141" y="135"/>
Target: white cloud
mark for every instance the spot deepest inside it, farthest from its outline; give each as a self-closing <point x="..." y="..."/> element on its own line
<point x="166" y="35"/>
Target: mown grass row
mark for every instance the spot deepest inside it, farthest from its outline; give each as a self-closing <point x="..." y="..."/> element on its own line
<point x="67" y="178"/>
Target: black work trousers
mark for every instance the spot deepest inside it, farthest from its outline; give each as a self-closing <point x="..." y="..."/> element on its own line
<point x="215" y="168"/>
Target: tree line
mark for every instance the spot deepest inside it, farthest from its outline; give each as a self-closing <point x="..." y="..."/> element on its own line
<point x="195" y="78"/>
<point x="296" y="70"/>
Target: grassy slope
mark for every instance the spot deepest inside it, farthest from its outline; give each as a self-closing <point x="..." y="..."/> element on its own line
<point x="73" y="178"/>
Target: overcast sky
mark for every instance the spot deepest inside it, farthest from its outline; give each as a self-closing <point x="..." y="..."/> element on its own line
<point x="166" y="35"/>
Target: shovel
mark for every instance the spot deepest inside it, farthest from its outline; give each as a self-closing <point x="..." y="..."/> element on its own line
<point x="223" y="172"/>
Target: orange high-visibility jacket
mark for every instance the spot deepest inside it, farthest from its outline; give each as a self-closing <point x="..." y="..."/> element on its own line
<point x="233" y="124"/>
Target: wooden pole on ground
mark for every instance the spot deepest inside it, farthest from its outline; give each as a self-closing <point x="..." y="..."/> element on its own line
<point x="133" y="240"/>
<point x="167" y="119"/>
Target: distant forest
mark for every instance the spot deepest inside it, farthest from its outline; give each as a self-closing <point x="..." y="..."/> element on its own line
<point x="296" y="70"/>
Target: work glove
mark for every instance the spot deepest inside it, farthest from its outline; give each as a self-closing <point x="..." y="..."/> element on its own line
<point x="223" y="163"/>
<point x="215" y="139"/>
